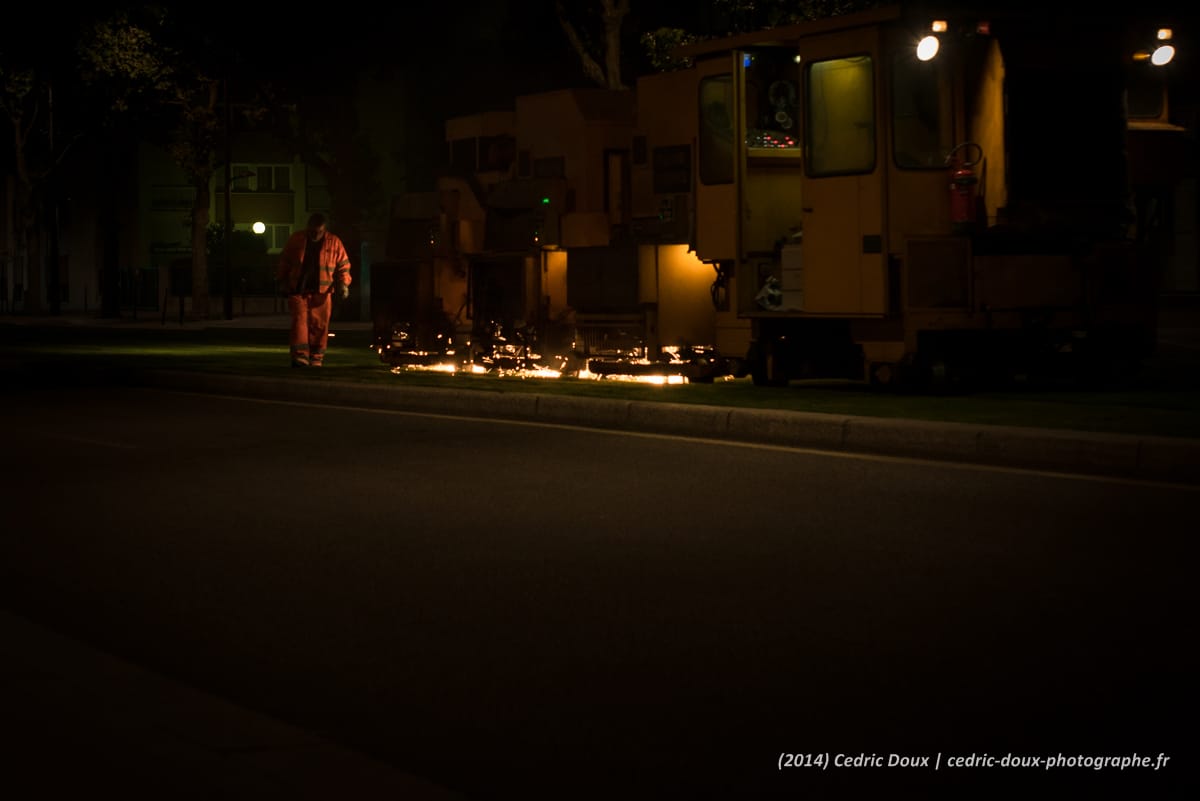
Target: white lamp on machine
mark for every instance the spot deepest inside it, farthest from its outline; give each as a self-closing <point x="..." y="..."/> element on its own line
<point x="928" y="47"/>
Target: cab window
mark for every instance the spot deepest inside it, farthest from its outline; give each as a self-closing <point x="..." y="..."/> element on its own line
<point x="716" y="152"/>
<point x="840" y="109"/>
<point x="772" y="100"/>
<point x="921" y="125"/>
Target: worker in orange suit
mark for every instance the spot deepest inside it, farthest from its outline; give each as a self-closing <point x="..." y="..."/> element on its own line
<point x="312" y="267"/>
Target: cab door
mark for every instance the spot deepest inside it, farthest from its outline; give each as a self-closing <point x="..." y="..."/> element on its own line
<point x="842" y="207"/>
<point x="717" y="156"/>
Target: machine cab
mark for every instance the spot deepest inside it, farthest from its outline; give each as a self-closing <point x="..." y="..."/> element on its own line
<point x="830" y="139"/>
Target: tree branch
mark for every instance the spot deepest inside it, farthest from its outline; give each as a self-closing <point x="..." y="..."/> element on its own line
<point x="590" y="67"/>
<point x="613" y="16"/>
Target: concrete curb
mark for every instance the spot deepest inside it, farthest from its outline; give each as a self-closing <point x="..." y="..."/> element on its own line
<point x="1116" y="455"/>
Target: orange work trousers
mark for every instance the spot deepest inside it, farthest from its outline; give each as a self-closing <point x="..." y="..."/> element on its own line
<point x="310" y="327"/>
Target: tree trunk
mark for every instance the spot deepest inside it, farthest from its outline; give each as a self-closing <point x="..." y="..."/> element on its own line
<point x="613" y="17"/>
<point x="53" y="257"/>
<point x="110" y="236"/>
<point x="613" y="13"/>
<point x="200" y="252"/>
<point x="31" y="238"/>
<point x="110" y="265"/>
<point x="33" y="292"/>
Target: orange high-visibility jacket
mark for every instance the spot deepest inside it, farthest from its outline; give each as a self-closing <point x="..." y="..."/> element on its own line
<point x="334" y="262"/>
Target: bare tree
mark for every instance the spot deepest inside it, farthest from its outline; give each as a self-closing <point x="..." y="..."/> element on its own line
<point x="594" y="29"/>
<point x="27" y="101"/>
<point x="607" y="50"/>
<point x="134" y="62"/>
<point x="19" y="102"/>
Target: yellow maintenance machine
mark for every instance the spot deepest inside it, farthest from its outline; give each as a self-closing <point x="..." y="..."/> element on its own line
<point x="885" y="196"/>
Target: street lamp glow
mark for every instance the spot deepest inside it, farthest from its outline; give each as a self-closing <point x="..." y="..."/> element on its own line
<point x="259" y="228"/>
<point x="927" y="48"/>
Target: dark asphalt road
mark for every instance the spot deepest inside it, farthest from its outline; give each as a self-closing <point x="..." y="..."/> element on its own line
<point x="538" y="611"/>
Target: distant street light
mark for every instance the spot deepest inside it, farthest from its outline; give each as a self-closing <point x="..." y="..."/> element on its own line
<point x="259" y="227"/>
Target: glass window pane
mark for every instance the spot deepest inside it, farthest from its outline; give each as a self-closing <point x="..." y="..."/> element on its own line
<point x="921" y="124"/>
<point x="673" y="169"/>
<point x="241" y="177"/>
<point x="840" y="107"/>
<point x="772" y="111"/>
<point x="463" y="154"/>
<point x="552" y="167"/>
<point x="496" y="152"/>
<point x="716" y="130"/>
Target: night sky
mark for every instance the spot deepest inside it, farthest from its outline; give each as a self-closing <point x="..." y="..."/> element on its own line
<point x="511" y="41"/>
<point x="473" y="50"/>
<point x="470" y="51"/>
<point x="445" y="59"/>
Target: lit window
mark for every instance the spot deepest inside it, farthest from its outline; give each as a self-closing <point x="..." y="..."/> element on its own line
<point x="716" y="153"/>
<point x="772" y="100"/>
<point x="841" y="116"/>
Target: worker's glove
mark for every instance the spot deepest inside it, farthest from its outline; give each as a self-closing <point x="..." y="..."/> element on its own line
<point x="343" y="291"/>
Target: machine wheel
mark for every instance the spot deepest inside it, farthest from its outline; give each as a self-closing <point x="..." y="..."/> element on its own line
<point x="766" y="368"/>
<point x="885" y="376"/>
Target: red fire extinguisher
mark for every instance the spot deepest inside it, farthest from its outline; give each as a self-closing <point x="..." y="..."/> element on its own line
<point x="964" y="184"/>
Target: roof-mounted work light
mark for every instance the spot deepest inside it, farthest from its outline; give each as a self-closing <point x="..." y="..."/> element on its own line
<point x="1161" y="53"/>
<point x="1165" y="51"/>
<point x="929" y="45"/>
